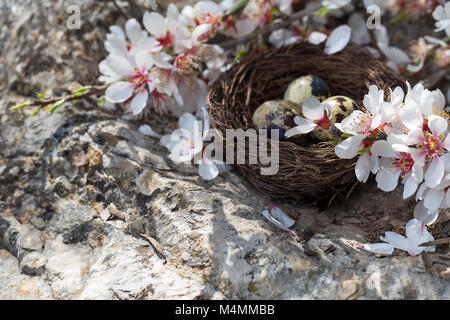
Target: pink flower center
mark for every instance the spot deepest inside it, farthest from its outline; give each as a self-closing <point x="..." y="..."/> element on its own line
<point x="323" y="122"/>
<point x="432" y="146"/>
<point x="166" y="41"/>
<point x="230" y="22"/>
<point x="404" y="163"/>
<point x="140" y="79"/>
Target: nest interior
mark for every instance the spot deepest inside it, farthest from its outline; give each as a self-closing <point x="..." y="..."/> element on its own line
<point x="306" y="170"/>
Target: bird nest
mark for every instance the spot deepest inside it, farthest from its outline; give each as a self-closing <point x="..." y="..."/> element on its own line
<point x="308" y="169"/>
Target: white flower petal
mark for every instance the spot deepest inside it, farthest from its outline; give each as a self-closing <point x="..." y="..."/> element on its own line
<point x="303" y="127"/>
<point x="117" y="32"/>
<point x="313" y="109"/>
<point x="208" y="169"/>
<point x="119" y="91"/>
<point x="387" y="179"/>
<point x="317" y="37"/>
<point x="379" y="248"/>
<point x="281" y="216"/>
<point x="410" y="187"/>
<point x="139" y="102"/>
<point x="338" y="39"/>
<point x="119" y="64"/>
<point x="144" y="60"/>
<point x="433" y="199"/>
<point x="148" y="131"/>
<point x="415" y="136"/>
<point x="424" y="215"/>
<point x="278" y="218"/>
<point x="396" y="240"/>
<point x="437" y="125"/>
<point x="435" y="172"/>
<point x="133" y="30"/>
<point x="188" y="122"/>
<point x="155" y="24"/>
<point x="349" y="148"/>
<point x="447" y="197"/>
<point x="170" y="141"/>
<point x="161" y="60"/>
<point x="362" y="168"/>
<point x="383" y="148"/>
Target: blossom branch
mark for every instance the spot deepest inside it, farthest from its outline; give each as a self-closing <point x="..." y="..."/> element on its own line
<point x="56" y="102"/>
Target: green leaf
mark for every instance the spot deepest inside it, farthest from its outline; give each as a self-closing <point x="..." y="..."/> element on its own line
<point x="40" y="95"/>
<point x="322" y="11"/>
<point x="335" y="141"/>
<point x="240" y="54"/>
<point x="277" y="12"/>
<point x="446" y="39"/>
<point x="81" y="90"/>
<point x="35" y="112"/>
<point x="347" y="135"/>
<point x="101" y="100"/>
<point x="237" y="7"/>
<point x="56" y="105"/>
<point x="22" y="105"/>
<point x="364" y="150"/>
<point x="169" y="52"/>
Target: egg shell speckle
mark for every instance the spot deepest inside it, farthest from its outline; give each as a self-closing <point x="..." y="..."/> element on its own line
<point x="276" y="114"/>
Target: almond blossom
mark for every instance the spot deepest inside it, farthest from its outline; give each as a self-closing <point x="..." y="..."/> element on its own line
<point x="136" y="40"/>
<point x="397" y="162"/>
<point x="137" y="80"/>
<point x="203" y="12"/>
<point x="416" y="234"/>
<point x="317" y="115"/>
<point x="168" y="32"/>
<point x="187" y="143"/>
<point x="432" y="143"/>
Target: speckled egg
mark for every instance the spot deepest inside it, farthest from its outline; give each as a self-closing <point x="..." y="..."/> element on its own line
<point x="307" y="87"/>
<point x="276" y="114"/>
<point x="341" y="107"/>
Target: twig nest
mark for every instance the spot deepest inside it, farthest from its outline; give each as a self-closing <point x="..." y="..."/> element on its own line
<point x="305" y="87"/>
<point x="276" y="114"/>
<point x="310" y="168"/>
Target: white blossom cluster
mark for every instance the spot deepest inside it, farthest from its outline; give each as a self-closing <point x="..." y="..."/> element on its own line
<point x="404" y="139"/>
<point x="168" y="63"/>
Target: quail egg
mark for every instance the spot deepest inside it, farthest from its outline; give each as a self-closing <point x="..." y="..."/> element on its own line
<point x="341" y="107"/>
<point x="276" y="114"/>
<point x="307" y="87"/>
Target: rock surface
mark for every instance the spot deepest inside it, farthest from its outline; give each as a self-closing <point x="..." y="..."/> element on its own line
<point x="92" y="209"/>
